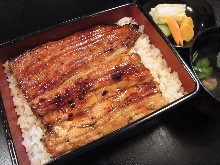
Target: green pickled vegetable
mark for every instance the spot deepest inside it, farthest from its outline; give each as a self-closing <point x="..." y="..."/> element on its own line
<point x="203" y="68"/>
<point x="165" y="29"/>
<point x="218" y="60"/>
<point x="202" y="63"/>
<point x="205" y="72"/>
<point x="195" y="55"/>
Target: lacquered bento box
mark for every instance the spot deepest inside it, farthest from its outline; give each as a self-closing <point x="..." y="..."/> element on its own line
<point x="14" y="48"/>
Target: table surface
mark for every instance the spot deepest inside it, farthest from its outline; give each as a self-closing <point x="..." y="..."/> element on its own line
<point x="184" y="135"/>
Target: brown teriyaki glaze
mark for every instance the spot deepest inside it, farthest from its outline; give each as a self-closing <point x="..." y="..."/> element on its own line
<point x="86" y="85"/>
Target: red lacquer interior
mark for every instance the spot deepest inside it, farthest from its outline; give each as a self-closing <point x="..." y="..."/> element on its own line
<point x="105" y="18"/>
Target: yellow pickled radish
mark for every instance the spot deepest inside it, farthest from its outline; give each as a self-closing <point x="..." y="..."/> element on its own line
<point x="179" y="22"/>
<point x="187" y="32"/>
<point x="187" y="20"/>
<point x="186" y="29"/>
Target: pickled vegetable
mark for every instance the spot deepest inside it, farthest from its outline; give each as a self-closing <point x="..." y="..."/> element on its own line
<point x="175" y="30"/>
<point x="174" y="15"/>
<point x="186" y="29"/>
<point x="188" y="20"/>
<point x="161" y="11"/>
<point x="165" y="29"/>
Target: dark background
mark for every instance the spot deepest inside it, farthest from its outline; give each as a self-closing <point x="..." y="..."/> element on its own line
<point x="184" y="135"/>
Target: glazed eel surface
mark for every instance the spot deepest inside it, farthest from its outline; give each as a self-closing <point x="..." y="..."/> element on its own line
<point x="86" y="85"/>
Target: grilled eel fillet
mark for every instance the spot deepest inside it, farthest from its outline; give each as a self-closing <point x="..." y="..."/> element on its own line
<point x="86" y="85"/>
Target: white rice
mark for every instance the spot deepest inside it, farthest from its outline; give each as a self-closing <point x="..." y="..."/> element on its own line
<point x="151" y="57"/>
<point x="31" y="127"/>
